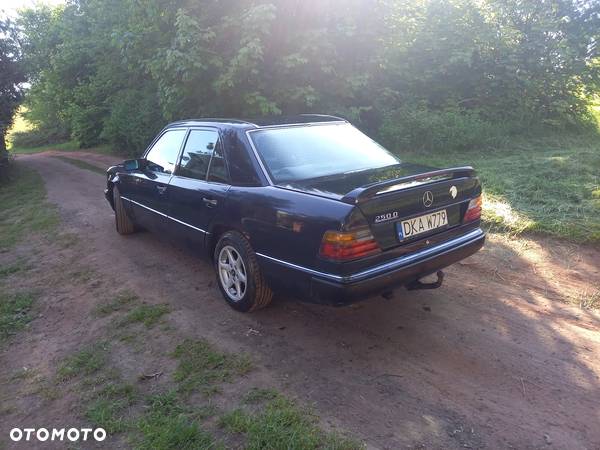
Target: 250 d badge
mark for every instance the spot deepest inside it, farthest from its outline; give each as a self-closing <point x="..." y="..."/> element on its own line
<point x="385" y="217"/>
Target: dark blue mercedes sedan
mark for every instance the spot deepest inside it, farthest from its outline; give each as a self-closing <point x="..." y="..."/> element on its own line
<point x="308" y="205"/>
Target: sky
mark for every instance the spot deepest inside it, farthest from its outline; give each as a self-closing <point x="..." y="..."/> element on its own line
<point x="10" y="7"/>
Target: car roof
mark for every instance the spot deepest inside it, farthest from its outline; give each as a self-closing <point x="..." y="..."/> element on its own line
<point x="259" y="123"/>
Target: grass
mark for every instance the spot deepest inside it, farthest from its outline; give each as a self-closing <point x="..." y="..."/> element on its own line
<point x="166" y="425"/>
<point x="121" y="301"/>
<point x="63" y="147"/>
<point x="257" y="395"/>
<point x="23" y="207"/>
<point x="109" y="408"/>
<point x="69" y="146"/>
<point x="201" y="365"/>
<point x="149" y="315"/>
<point x="85" y="362"/>
<point x="549" y="185"/>
<point x="14" y="313"/>
<point x="16" y="267"/>
<point x="82" y="164"/>
<point x="282" y="424"/>
<point x="589" y="300"/>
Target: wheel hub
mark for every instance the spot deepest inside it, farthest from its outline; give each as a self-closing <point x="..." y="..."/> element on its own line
<point x="232" y="273"/>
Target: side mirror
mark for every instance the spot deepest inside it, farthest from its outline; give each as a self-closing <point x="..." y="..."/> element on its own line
<point x="134" y="164"/>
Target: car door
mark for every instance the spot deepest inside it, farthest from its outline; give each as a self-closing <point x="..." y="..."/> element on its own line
<point x="147" y="189"/>
<point x="198" y="188"/>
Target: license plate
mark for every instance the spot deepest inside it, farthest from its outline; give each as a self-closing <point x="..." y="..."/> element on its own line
<point x="422" y="224"/>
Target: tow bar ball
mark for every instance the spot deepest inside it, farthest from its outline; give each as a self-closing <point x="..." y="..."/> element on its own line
<point x="419" y="285"/>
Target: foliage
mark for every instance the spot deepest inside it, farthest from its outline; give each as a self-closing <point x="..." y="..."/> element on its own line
<point x="416" y="128"/>
<point x="36" y="137"/>
<point x="115" y="71"/>
<point x="11" y="75"/>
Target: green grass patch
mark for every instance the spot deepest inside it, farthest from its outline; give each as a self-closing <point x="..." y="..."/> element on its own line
<point x="84" y="363"/>
<point x="82" y="164"/>
<point x="282" y="424"/>
<point x="547" y="185"/>
<point x="201" y="364"/>
<point x="14" y="313"/>
<point x="69" y="146"/>
<point x="110" y="407"/>
<point x="123" y="300"/>
<point x="257" y="395"/>
<point x="167" y="425"/>
<point x="19" y="266"/>
<point x="149" y="315"/>
<point x="63" y="147"/>
<point x="23" y="207"/>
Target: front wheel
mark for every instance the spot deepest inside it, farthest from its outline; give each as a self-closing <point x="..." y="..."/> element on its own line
<point x="123" y="223"/>
<point x="239" y="275"/>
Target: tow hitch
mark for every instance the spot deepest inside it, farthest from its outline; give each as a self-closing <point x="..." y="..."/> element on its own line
<point x="418" y="284"/>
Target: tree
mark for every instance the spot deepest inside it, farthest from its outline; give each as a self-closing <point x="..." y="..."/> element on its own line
<point x="11" y="76"/>
<point x="117" y="70"/>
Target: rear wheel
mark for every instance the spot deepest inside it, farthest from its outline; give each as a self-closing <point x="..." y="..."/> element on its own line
<point x="239" y="275"/>
<point x="123" y="223"/>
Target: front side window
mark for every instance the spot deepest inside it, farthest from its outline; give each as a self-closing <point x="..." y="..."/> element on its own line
<point x="162" y="157"/>
<point x="197" y="154"/>
<point x="312" y="151"/>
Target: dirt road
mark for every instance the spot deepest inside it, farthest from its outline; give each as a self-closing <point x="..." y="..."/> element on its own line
<point x="495" y="359"/>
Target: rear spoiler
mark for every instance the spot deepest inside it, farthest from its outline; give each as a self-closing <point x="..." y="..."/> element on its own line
<point x="369" y="191"/>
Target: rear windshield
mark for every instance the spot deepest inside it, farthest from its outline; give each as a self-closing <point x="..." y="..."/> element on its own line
<point x="312" y="151"/>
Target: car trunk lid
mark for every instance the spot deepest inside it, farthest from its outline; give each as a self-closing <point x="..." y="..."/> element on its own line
<point x="392" y="195"/>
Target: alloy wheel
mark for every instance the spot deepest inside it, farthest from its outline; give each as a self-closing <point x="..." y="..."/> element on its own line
<point x="232" y="273"/>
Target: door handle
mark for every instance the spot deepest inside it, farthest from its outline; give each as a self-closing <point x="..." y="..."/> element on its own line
<point x="210" y="202"/>
<point x="161" y="189"/>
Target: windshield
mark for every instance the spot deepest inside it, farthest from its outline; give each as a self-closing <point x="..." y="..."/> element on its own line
<point x="312" y="151"/>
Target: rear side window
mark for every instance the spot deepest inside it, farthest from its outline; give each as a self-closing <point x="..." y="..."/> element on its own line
<point x="162" y="157"/>
<point x="241" y="169"/>
<point x="197" y="154"/>
<point x="217" y="171"/>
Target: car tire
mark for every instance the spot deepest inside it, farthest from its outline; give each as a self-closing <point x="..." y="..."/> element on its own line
<point x="255" y="292"/>
<point x="123" y="223"/>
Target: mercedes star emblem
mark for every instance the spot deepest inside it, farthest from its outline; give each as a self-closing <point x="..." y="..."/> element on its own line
<point x="428" y="199"/>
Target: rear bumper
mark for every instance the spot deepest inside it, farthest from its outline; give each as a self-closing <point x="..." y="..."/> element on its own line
<point x="339" y="290"/>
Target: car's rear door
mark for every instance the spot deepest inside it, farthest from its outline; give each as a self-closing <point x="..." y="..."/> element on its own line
<point x="198" y="188"/>
<point x="147" y="190"/>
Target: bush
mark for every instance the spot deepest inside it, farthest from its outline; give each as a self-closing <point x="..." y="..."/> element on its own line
<point x="415" y="128"/>
<point x="133" y="121"/>
<point x="37" y="137"/>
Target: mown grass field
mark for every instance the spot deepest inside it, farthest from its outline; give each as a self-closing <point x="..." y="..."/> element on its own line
<point x="548" y="184"/>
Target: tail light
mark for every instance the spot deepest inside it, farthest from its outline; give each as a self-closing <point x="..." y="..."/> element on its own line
<point x="474" y="210"/>
<point x="348" y="245"/>
<point x="353" y="242"/>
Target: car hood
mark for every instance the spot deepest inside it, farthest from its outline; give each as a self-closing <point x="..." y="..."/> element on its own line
<point x="336" y="186"/>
